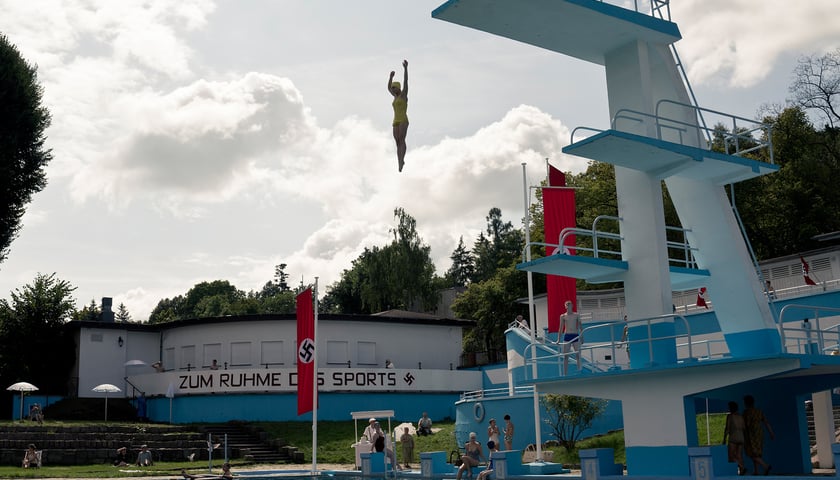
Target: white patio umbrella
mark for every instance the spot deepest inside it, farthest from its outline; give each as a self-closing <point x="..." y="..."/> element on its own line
<point x="22" y="387"/>
<point x="106" y="388"/>
<point x="134" y="362"/>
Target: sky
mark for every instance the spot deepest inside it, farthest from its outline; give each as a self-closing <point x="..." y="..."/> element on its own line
<point x="201" y="140"/>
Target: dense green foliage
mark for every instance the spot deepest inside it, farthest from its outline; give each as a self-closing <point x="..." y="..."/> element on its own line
<point x="400" y="275"/>
<point x="31" y="331"/>
<point x="569" y="416"/>
<point x="220" y="297"/>
<point x="23" y="156"/>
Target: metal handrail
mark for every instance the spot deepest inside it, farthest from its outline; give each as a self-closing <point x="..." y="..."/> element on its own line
<point x="612" y="344"/>
<point x="815" y="329"/>
<point x="497" y="392"/>
<point x="730" y="138"/>
<point x="656" y="7"/>
<point x="758" y="126"/>
<point x="591" y="129"/>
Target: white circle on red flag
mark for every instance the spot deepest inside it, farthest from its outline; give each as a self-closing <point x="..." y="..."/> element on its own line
<point x="306" y="351"/>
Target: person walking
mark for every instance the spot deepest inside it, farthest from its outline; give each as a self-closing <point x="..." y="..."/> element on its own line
<point x="734" y="431"/>
<point x="755" y="422"/>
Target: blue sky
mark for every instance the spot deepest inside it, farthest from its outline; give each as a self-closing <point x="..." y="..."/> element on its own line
<point x="199" y="140"/>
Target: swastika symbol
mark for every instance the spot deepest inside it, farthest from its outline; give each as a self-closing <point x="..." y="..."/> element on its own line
<point x="408" y="378"/>
<point x="306" y="351"/>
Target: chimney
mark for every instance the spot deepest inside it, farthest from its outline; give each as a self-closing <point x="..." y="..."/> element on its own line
<point x="107" y="314"/>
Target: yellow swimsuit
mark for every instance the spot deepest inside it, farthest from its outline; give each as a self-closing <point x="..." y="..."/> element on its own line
<point x="400" y="105"/>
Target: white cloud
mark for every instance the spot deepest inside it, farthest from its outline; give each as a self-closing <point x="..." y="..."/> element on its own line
<point x="160" y="131"/>
<point x="739" y="43"/>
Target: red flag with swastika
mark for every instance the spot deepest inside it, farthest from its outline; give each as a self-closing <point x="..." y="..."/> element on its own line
<point x="306" y="351"/>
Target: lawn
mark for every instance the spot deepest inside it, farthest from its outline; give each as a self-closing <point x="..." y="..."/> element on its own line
<point x="334" y="446"/>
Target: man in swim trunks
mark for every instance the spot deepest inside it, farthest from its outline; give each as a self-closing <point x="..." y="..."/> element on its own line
<point x="400" y="104"/>
<point x="570" y="328"/>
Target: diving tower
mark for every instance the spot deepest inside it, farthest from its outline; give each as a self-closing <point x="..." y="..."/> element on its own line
<point x="658" y="134"/>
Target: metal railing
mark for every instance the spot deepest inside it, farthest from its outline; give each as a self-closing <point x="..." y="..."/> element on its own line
<point x="655" y="8"/>
<point x="497" y="392"/>
<point x="686" y="260"/>
<point x="591" y="352"/>
<point x="807" y="337"/>
<point x="732" y="140"/>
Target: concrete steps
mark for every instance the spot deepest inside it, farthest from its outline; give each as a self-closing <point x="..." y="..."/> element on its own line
<point x="252" y="444"/>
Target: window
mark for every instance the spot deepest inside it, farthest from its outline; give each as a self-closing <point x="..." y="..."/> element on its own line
<point x="240" y="354"/>
<point x="366" y="353"/>
<point x="188" y="357"/>
<point x="212" y="351"/>
<point x="337" y="353"/>
<point x="272" y="353"/>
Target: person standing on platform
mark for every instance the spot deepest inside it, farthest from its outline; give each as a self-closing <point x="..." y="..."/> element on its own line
<point x="570" y="327"/>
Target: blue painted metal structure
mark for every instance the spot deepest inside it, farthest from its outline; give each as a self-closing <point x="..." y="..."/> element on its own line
<point x="659" y="134"/>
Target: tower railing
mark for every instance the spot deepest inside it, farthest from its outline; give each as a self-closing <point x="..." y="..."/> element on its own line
<point x="807" y="337"/>
<point x="686" y="252"/>
<point x="589" y="353"/>
<point x="655" y="8"/>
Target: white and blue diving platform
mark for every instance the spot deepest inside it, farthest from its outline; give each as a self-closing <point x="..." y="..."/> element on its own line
<point x="659" y="134"/>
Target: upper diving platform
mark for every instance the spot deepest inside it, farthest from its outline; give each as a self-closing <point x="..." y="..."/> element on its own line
<point x="663" y="159"/>
<point x="603" y="270"/>
<point x="679" y="144"/>
<point x="584" y="29"/>
<point x="598" y="260"/>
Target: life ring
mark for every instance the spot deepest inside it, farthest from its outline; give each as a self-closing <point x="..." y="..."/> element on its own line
<point x="478" y="412"/>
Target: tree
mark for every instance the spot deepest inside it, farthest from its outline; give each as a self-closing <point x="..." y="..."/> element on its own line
<point x="88" y="313"/>
<point x="400" y="275"/>
<point x="167" y="310"/>
<point x="816" y="85"/>
<point x="204" y="299"/>
<point x="122" y="314"/>
<point x="569" y="416"/>
<point x="23" y="157"/>
<point x="500" y="245"/>
<point x="32" y="324"/>
<point x="492" y="303"/>
<point x="463" y="265"/>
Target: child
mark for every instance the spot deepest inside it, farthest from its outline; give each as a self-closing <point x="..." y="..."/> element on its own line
<point x="491" y="447"/>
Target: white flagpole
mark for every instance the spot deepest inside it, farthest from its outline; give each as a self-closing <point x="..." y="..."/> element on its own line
<point x="315" y="384"/>
<point x="533" y="314"/>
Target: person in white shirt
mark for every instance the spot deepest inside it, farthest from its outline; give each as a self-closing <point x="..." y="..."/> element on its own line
<point x="424" y="425"/>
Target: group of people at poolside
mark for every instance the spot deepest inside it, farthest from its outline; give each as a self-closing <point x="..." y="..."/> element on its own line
<point x="474" y="454"/>
<point x="745" y="433"/>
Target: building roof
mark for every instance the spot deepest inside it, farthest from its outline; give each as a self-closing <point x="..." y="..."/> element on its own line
<point x="389" y="316"/>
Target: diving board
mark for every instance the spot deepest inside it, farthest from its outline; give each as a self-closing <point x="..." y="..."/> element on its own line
<point x="664" y="159"/>
<point x="604" y="270"/>
<point x="584" y="29"/>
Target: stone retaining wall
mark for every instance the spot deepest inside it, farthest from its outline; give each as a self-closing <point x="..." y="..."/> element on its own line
<point x="98" y="444"/>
